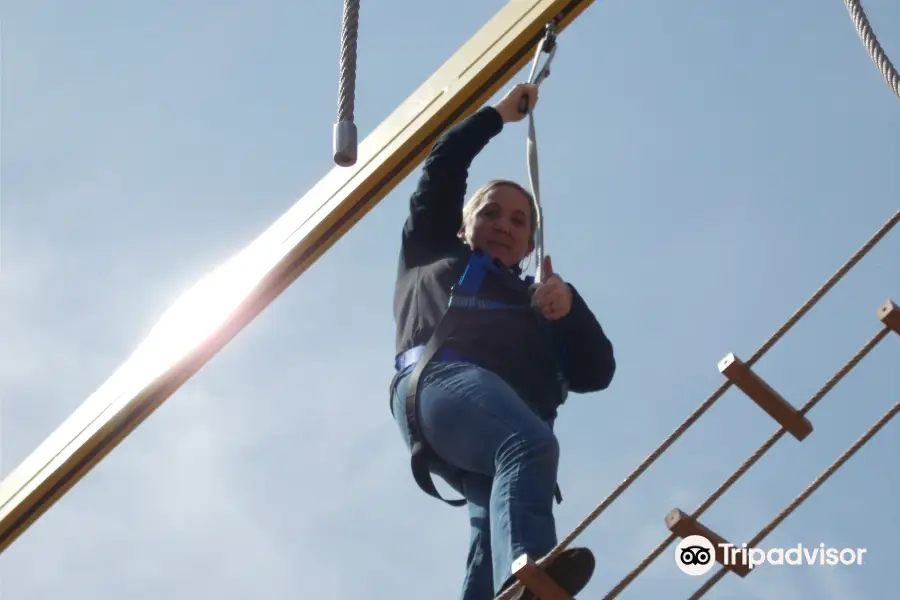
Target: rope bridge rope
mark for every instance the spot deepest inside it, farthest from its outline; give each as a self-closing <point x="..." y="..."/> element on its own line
<point x="843" y="458"/>
<point x="742" y="470"/>
<point x="710" y="401"/>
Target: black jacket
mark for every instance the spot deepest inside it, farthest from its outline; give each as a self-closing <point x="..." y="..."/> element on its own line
<point x="512" y="344"/>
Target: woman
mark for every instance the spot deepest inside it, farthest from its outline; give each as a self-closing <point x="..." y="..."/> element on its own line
<point x="478" y="385"/>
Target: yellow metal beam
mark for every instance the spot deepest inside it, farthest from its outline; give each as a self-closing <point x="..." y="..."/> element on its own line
<point x="206" y="317"/>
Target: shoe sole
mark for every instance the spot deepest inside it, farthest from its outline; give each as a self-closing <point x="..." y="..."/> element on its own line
<point x="572" y="570"/>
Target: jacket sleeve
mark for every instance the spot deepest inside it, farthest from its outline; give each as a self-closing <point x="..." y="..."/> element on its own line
<point x="435" y="207"/>
<point x="586" y="353"/>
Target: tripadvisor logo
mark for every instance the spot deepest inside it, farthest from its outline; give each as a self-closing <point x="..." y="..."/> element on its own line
<point x="695" y="555"/>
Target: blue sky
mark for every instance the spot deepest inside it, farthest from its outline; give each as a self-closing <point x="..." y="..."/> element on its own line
<point x="705" y="167"/>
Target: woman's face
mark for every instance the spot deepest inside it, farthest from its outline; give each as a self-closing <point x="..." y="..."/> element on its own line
<point x="502" y="225"/>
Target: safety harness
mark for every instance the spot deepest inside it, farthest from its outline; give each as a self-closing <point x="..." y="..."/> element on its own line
<point x="464" y="297"/>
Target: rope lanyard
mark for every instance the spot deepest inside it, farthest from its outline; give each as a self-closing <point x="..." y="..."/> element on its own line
<point x="344" y="134"/>
<point x="537" y="76"/>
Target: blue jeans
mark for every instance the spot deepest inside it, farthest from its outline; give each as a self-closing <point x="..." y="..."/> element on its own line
<point x="500" y="456"/>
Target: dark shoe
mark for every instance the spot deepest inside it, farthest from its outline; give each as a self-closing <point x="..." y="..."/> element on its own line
<point x="572" y="570"/>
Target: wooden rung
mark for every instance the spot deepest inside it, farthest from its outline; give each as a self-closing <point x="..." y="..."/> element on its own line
<point x="768" y="399"/>
<point x="889" y="313"/>
<point x="535" y="579"/>
<point x="683" y="525"/>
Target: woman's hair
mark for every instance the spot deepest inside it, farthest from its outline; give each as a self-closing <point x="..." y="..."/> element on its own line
<point x="479" y="197"/>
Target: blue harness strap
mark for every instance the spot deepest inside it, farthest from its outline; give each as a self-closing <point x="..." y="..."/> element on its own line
<point x="412" y="356"/>
<point x="463" y="296"/>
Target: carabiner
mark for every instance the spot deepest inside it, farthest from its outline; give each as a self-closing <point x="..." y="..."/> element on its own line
<point x="537" y="77"/>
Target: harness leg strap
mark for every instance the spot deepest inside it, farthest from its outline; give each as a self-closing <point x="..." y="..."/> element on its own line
<point x="420" y="452"/>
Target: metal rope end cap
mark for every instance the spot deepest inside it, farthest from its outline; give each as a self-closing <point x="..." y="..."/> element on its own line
<point x="344" y="138"/>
